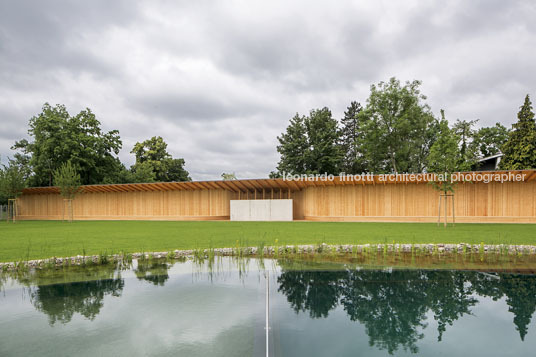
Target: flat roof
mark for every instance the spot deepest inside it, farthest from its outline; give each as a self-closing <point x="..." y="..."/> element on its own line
<point x="248" y="185"/>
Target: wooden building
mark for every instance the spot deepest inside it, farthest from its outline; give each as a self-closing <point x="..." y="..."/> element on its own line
<point x="377" y="198"/>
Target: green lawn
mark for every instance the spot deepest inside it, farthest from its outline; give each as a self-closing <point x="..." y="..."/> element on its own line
<point x="42" y="239"/>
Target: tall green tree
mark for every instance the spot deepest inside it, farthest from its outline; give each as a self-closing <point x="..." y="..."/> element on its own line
<point x="152" y="153"/>
<point x="398" y="128"/>
<point x="293" y="147"/>
<point x="520" y="149"/>
<point x="488" y="141"/>
<point x="324" y="154"/>
<point x="310" y="145"/>
<point x="57" y="137"/>
<point x="350" y="140"/>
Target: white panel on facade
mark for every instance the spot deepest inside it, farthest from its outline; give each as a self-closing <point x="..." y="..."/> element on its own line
<point x="261" y="210"/>
<point x="240" y="210"/>
<point x="281" y="210"/>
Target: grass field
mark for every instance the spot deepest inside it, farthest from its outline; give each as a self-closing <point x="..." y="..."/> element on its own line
<point x="26" y="240"/>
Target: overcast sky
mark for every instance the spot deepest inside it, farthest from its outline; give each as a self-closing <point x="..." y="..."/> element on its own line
<point x="219" y="80"/>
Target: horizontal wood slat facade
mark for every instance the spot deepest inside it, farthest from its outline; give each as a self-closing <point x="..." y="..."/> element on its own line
<point x="509" y="202"/>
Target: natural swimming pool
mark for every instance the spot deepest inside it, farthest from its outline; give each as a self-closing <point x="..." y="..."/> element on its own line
<point x="315" y="308"/>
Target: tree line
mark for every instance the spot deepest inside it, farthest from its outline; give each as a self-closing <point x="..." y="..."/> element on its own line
<point x="396" y="132"/>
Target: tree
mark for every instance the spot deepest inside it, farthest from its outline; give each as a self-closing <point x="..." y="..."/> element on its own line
<point x="489" y="141"/>
<point x="176" y="171"/>
<point x="398" y="128"/>
<point x="466" y="133"/>
<point x="153" y="153"/>
<point x="57" y="138"/>
<point x="13" y="179"/>
<point x="520" y="149"/>
<point x="293" y="147"/>
<point x="227" y="177"/>
<point x="324" y="154"/>
<point x="274" y="174"/>
<point x="67" y="179"/>
<point x="141" y="173"/>
<point x="444" y="157"/>
<point x="310" y="145"/>
<point x="350" y="140"/>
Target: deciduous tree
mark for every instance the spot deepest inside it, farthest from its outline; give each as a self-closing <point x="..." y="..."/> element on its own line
<point x="152" y="153"/>
<point x="398" y="128"/>
<point x="13" y="179"/>
<point x="444" y="157"/>
<point x="489" y="141"/>
<point x="67" y="179"/>
<point x="466" y="134"/>
<point x="57" y="137"/>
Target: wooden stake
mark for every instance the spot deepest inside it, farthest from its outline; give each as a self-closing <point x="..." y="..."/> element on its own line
<point x="453" y="216"/>
<point x="446" y="200"/>
<point x="439" y="211"/>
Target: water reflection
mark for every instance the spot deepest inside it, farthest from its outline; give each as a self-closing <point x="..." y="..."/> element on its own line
<point x="153" y="271"/>
<point x="393" y="305"/>
<point x="519" y="291"/>
<point x="61" y="300"/>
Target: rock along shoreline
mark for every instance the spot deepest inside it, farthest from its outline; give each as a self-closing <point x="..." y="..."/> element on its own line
<point x="276" y="251"/>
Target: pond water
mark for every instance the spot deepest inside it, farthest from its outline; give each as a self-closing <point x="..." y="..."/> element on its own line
<point x="315" y="308"/>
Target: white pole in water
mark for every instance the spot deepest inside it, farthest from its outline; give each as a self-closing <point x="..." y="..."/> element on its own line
<point x="267" y="327"/>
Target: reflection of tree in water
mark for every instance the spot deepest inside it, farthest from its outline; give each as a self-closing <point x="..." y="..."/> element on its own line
<point x="519" y="291"/>
<point x="448" y="297"/>
<point x="61" y="301"/>
<point x="316" y="292"/>
<point x="153" y="271"/>
<point x="393" y="305"/>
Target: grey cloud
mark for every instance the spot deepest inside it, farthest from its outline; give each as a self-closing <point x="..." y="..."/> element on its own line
<point x="306" y="58"/>
<point x="193" y="106"/>
<point x="38" y="36"/>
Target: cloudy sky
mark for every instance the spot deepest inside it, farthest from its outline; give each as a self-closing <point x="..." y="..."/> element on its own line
<point x="220" y="80"/>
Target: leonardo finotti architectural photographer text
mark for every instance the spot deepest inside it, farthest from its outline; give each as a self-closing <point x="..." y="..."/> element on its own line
<point x="405" y="177"/>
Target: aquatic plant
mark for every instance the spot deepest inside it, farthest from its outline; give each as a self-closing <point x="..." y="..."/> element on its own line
<point x="260" y="249"/>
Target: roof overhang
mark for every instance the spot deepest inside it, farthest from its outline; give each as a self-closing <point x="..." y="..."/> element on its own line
<point x="250" y="185"/>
